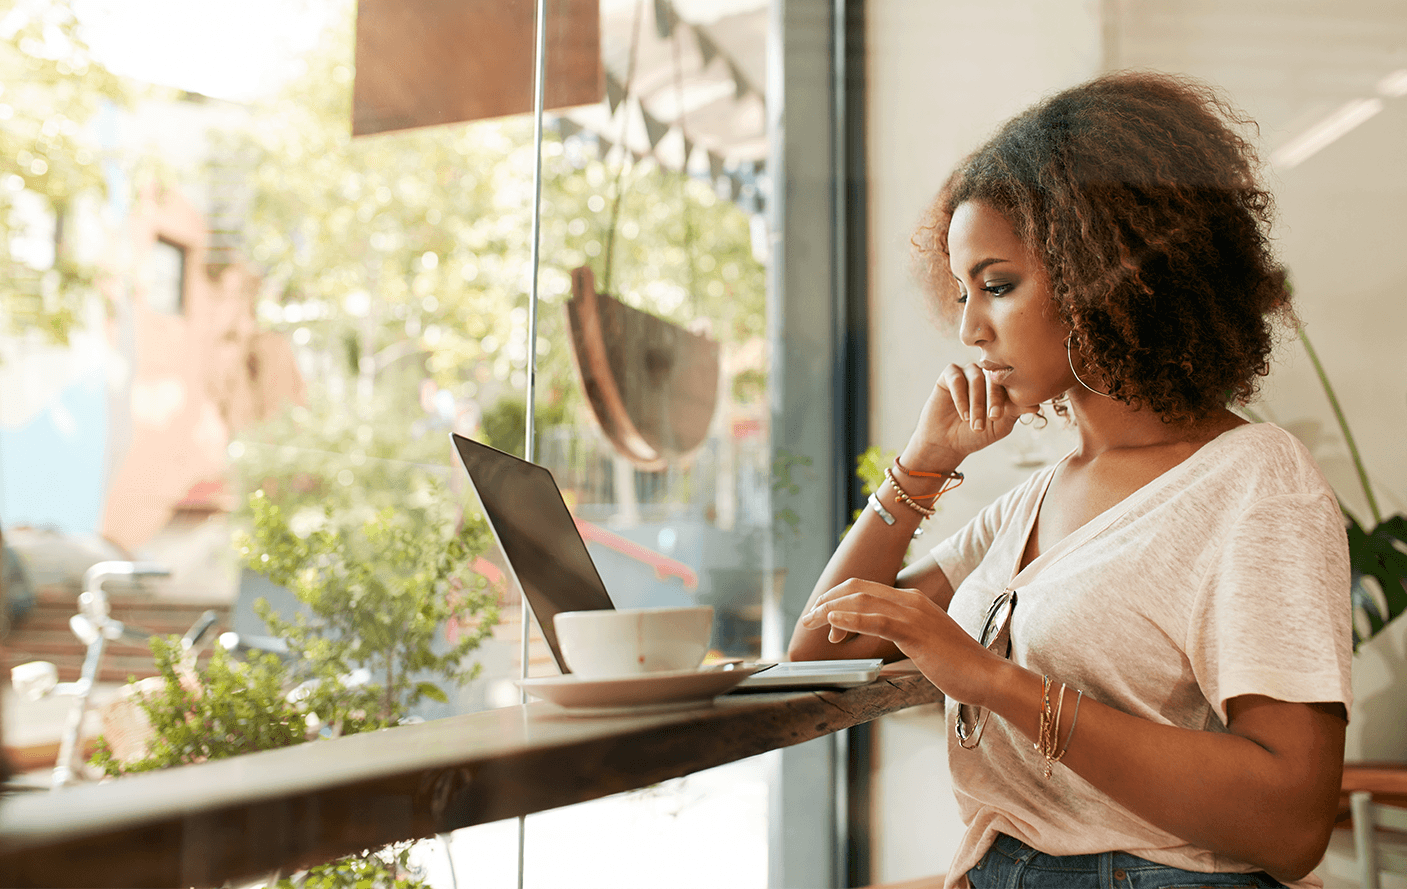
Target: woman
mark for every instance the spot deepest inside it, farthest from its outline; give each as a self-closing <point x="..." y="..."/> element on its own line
<point x="1174" y="593"/>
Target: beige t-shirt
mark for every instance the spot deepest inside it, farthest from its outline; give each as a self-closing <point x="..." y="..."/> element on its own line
<point x="1227" y="575"/>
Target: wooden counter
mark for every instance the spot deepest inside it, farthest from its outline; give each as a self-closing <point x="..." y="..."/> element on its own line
<point x="285" y="809"/>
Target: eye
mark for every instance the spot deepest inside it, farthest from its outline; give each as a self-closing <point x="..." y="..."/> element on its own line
<point x="998" y="289"/>
<point x="962" y="297"/>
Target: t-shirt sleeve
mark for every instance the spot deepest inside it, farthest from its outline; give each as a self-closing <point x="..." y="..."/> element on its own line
<point x="1273" y="615"/>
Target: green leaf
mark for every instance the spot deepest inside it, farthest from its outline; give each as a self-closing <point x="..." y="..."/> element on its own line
<point x="1378" y="562"/>
<point x="432" y="691"/>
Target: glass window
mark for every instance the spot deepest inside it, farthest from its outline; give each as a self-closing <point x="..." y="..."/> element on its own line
<point x="166" y="277"/>
<point x="242" y="337"/>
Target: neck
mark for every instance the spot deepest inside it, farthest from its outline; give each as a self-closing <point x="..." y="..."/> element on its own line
<point x="1107" y="425"/>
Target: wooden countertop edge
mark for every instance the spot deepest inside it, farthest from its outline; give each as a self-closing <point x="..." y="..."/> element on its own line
<point x="286" y="809"/>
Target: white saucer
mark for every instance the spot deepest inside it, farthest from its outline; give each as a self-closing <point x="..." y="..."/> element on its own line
<point x="645" y="693"/>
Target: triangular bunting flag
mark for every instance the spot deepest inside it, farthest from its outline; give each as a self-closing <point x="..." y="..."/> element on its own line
<point x="654" y="129"/>
<point x="740" y="88"/>
<point x="615" y="92"/>
<point x="664" y="18"/>
<point x="715" y="166"/>
<point x="708" y="50"/>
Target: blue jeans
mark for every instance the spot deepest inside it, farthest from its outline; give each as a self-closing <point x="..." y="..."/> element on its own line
<point x="1011" y="864"/>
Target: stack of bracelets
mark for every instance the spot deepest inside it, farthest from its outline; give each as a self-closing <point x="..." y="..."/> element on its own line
<point x="1047" y="736"/>
<point x="950" y="480"/>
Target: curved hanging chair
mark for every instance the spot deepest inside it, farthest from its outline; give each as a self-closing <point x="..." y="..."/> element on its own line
<point x="651" y="383"/>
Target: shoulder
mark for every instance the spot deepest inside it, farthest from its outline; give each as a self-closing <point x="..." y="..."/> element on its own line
<point x="1259" y="460"/>
<point x="1257" y="486"/>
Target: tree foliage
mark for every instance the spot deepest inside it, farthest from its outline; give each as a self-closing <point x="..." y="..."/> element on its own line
<point x="419" y="248"/>
<point x="338" y="462"/>
<point x="50" y="89"/>
<point x="225" y="709"/>
<point x="379" y="602"/>
<point x="378" y="599"/>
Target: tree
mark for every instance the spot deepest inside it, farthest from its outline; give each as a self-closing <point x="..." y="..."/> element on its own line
<point x="50" y="88"/>
<point x="417" y="253"/>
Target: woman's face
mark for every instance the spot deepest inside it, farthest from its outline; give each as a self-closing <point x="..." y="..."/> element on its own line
<point x="1007" y="311"/>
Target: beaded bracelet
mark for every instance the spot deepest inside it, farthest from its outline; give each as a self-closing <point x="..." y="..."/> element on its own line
<point x="904" y="498"/>
<point x="951" y="479"/>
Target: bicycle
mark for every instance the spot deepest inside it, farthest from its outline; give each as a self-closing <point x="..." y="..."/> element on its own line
<point x="94" y="626"/>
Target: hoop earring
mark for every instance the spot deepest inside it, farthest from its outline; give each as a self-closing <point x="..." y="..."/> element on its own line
<point x="1071" y="359"/>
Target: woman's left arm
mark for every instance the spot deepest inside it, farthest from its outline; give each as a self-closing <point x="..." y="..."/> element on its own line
<point x="1264" y="793"/>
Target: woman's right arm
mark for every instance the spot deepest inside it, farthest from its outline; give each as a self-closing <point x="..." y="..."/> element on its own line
<point x="873" y="550"/>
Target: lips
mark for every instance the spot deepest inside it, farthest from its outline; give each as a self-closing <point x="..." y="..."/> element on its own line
<point x="997" y="373"/>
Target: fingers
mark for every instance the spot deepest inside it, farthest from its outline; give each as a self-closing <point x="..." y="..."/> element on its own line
<point x="954" y="381"/>
<point x="977" y="397"/>
<point x="998" y="401"/>
<point x="866" y="624"/>
<point x="852" y="608"/>
<point x="816" y="617"/>
<point x="967" y="388"/>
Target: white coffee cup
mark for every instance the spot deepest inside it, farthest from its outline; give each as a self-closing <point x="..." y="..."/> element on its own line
<point x="610" y="643"/>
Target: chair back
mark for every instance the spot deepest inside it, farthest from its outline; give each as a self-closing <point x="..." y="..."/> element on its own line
<point x="1379" y="838"/>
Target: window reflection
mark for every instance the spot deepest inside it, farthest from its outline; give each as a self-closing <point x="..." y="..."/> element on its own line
<point x="215" y="294"/>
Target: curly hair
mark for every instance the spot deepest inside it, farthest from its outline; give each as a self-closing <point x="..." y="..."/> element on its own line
<point x="1140" y="198"/>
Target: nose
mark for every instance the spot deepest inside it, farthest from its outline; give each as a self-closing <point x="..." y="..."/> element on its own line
<point x="972" y="331"/>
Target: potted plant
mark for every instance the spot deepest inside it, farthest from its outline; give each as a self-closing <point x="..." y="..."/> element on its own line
<point x="1377" y="554"/>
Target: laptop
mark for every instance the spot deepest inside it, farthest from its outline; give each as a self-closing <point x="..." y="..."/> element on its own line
<point x="548" y="557"/>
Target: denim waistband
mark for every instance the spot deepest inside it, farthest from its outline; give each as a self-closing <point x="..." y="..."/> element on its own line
<point x="1012" y="864"/>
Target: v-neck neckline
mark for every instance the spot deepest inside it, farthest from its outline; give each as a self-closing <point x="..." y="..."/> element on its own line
<point x="1100" y="522"/>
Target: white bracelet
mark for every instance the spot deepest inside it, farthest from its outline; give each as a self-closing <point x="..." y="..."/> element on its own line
<point x="887" y="515"/>
<point x="879" y="508"/>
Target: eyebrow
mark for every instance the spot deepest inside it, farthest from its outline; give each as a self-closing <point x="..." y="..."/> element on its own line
<point x="981" y="264"/>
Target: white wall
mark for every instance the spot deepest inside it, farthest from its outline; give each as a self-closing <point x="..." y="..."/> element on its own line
<point x="1341" y="232"/>
<point x="943" y="73"/>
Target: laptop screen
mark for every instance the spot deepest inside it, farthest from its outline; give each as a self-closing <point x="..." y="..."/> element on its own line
<point x="538" y="535"/>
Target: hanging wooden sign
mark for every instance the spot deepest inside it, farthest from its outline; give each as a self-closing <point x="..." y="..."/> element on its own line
<point x="426" y="62"/>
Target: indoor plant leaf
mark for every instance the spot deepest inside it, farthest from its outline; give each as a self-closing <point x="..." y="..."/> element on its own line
<point x="1378" y="560"/>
